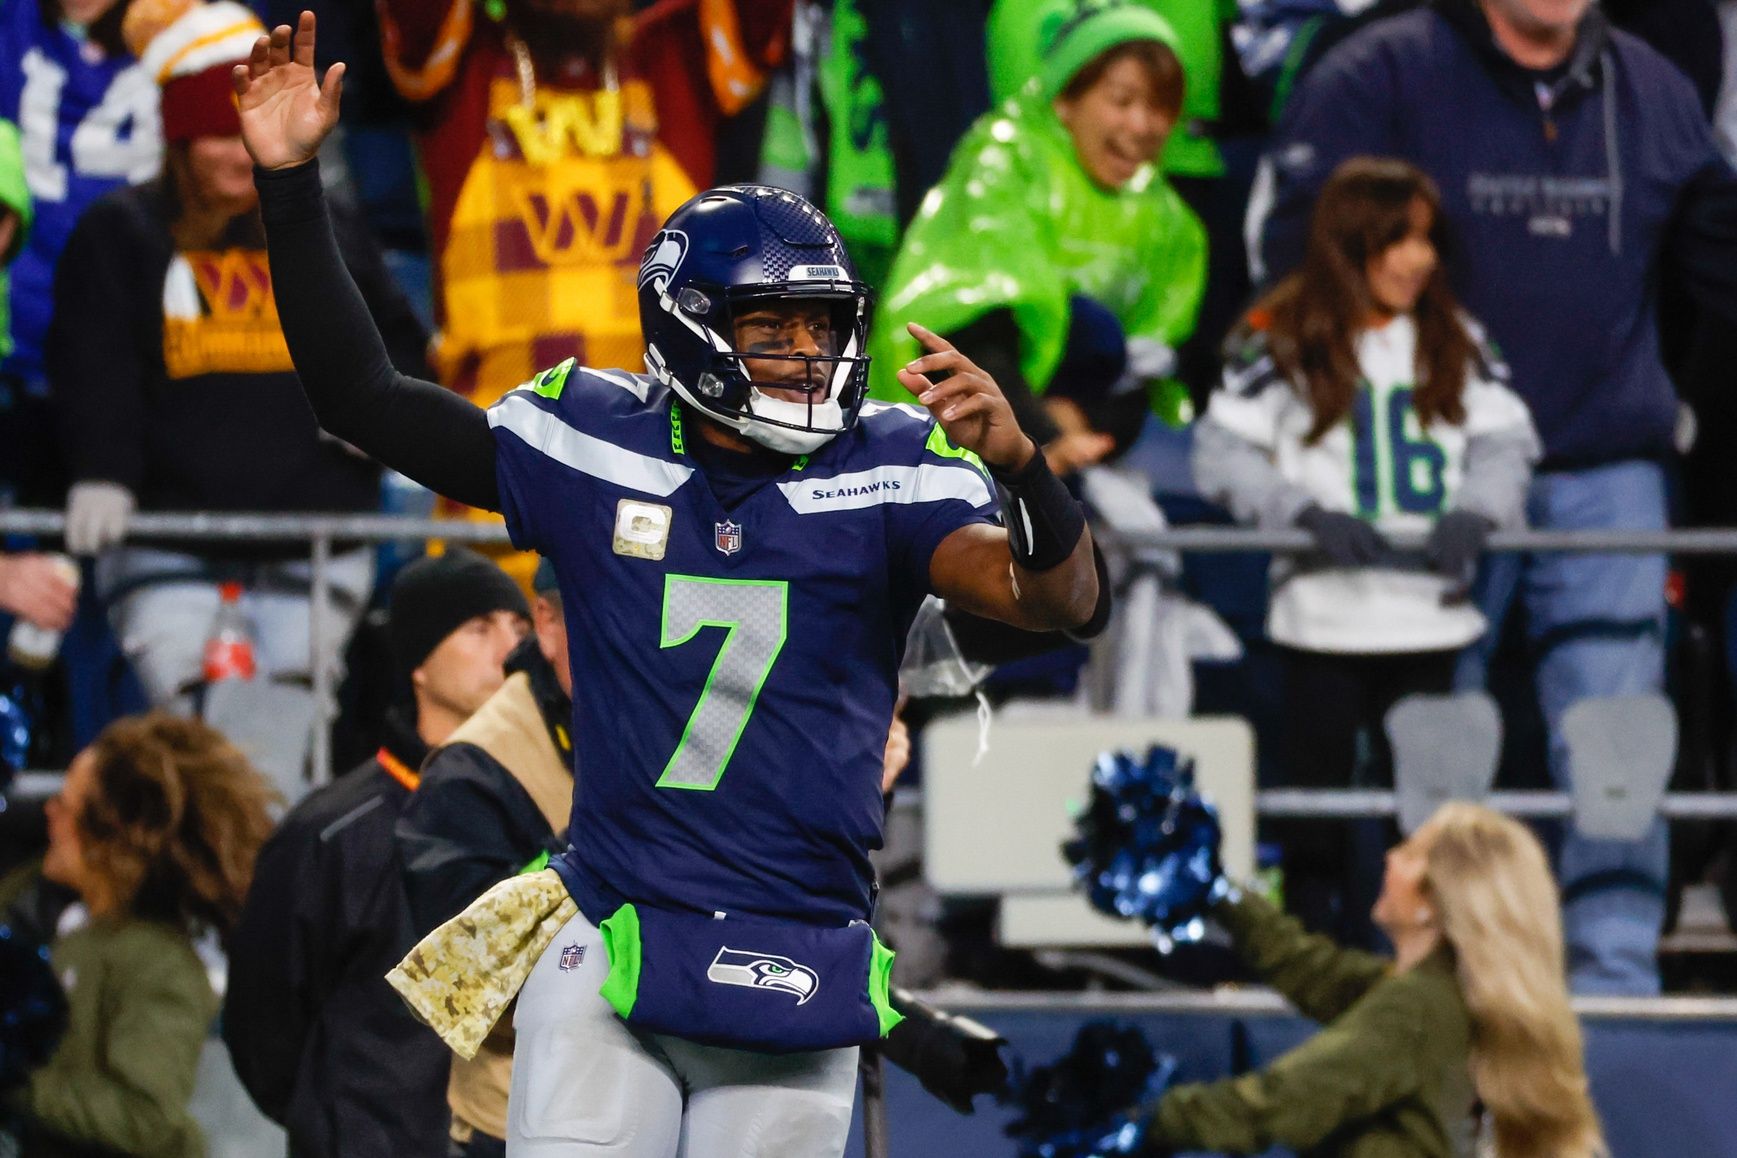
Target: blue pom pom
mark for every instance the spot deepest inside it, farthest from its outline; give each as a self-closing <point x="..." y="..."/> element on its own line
<point x="1086" y="1104"/>
<point x="1147" y="845"/>
<point x="17" y="730"/>
<point x="32" y="1007"/>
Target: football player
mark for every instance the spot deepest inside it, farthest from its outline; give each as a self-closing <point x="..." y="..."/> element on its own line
<point x="741" y="543"/>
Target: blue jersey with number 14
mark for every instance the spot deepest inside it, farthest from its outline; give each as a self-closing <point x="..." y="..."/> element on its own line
<point x="87" y="123"/>
<point x="734" y="670"/>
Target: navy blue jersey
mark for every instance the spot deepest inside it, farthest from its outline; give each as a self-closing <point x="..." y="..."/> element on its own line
<point x="87" y="123"/>
<point x="734" y="670"/>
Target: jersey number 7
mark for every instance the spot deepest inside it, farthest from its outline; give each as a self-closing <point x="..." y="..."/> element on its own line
<point x="755" y="615"/>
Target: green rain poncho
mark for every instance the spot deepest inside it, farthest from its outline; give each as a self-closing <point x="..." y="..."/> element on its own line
<point x="1017" y="224"/>
<point x="15" y="198"/>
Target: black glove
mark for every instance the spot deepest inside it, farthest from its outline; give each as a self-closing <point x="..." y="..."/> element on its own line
<point x="1453" y="550"/>
<point x="1345" y="540"/>
<point x="954" y="1057"/>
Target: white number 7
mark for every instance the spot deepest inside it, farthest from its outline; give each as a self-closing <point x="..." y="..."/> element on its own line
<point x="755" y="616"/>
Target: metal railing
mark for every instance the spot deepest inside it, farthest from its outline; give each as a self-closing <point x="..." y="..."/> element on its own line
<point x="1348" y="803"/>
<point x="322" y="531"/>
<point x="1706" y="541"/>
<point x="1257" y="1000"/>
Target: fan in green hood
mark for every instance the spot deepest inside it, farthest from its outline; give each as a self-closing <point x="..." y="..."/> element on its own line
<point x="1018" y="223"/>
<point x="1020" y="33"/>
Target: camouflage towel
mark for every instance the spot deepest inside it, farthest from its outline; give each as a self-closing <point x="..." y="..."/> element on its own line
<point x="461" y="977"/>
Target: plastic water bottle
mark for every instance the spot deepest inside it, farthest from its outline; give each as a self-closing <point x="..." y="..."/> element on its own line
<point x="229" y="650"/>
<point x="34" y="648"/>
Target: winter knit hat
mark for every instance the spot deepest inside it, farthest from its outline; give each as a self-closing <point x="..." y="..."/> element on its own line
<point x="436" y="595"/>
<point x="189" y="48"/>
<point x="1070" y="40"/>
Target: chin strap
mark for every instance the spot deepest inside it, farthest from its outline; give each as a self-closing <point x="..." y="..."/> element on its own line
<point x="784" y="438"/>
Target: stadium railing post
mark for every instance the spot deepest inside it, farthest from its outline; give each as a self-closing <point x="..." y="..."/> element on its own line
<point x="320" y="752"/>
<point x="875" y="1143"/>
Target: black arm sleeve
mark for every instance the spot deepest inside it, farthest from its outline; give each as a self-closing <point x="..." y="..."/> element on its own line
<point x="402" y="333"/>
<point x="992" y="341"/>
<point x="430" y="434"/>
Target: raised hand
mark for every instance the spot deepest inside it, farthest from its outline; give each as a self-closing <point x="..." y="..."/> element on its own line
<point x="966" y="402"/>
<point x="285" y="111"/>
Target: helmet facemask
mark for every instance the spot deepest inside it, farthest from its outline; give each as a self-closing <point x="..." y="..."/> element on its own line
<point x="829" y="380"/>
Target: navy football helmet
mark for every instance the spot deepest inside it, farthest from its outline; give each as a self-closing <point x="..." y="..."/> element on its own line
<point x="733" y="250"/>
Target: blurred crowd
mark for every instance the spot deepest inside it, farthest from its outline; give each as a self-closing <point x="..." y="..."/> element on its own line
<point x="1381" y="270"/>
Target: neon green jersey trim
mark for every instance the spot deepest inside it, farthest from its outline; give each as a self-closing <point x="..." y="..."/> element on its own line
<point x="880" y="981"/>
<point x="537" y="864"/>
<point x="621" y="941"/>
<point x="552" y="381"/>
<point x="940" y="444"/>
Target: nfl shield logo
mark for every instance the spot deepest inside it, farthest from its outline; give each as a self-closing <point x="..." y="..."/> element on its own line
<point x="571" y="957"/>
<point x="729" y="538"/>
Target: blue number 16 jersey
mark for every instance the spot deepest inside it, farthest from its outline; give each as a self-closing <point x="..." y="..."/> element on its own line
<point x="734" y="670"/>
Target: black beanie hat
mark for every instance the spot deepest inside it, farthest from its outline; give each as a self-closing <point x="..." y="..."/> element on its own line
<point x="436" y="595"/>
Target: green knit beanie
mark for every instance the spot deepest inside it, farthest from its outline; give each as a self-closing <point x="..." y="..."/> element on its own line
<point x="1091" y="29"/>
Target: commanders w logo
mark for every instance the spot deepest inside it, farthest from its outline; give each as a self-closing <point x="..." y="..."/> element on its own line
<point x="235" y="283"/>
<point x="577" y="227"/>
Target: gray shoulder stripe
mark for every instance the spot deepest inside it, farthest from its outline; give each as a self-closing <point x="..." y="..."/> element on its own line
<point x="350" y="818"/>
<point x="903" y="409"/>
<point x="544" y="431"/>
<point x="624" y="380"/>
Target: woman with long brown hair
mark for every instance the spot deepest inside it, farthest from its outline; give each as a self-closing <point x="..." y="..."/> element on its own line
<point x="1358" y="401"/>
<point x="155" y="831"/>
<point x="1463" y="1042"/>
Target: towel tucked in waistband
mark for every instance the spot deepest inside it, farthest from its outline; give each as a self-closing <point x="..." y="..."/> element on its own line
<point x="461" y="977"/>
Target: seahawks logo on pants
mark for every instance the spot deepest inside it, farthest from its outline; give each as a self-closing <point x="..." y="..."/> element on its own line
<point x="763" y="971"/>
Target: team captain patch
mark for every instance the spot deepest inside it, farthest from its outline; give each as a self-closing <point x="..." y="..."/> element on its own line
<point x="641" y="529"/>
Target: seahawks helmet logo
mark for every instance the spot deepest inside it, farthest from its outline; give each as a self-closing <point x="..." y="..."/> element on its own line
<point x="763" y="971"/>
<point x="662" y="257"/>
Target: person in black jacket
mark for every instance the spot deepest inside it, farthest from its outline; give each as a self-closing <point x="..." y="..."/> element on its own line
<point x="320" y="1042"/>
<point x="493" y="798"/>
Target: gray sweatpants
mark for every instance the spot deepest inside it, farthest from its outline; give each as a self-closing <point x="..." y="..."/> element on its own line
<point x="585" y="1084"/>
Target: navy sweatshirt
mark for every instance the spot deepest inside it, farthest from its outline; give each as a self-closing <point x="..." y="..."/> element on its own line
<point x="1566" y="206"/>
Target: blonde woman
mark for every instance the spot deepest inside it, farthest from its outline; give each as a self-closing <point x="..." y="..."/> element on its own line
<point x="1463" y="1042"/>
<point x="155" y="830"/>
